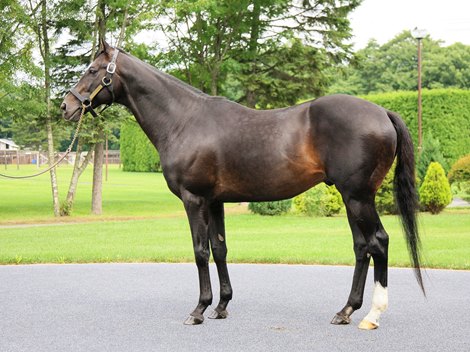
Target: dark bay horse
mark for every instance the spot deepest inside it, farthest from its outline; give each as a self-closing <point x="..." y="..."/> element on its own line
<point x="213" y="151"/>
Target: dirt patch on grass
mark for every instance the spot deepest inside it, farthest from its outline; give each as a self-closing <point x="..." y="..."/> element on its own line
<point x="230" y="209"/>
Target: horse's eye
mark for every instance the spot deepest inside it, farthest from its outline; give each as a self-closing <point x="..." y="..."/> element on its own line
<point x="92" y="71"/>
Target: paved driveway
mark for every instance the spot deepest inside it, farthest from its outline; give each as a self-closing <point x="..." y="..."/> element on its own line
<point x="141" y="307"/>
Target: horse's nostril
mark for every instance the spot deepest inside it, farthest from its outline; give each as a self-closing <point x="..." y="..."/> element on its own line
<point x="63" y="106"/>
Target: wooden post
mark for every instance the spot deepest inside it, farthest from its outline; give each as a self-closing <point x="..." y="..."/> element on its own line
<point x="420" y="104"/>
<point x="17" y="159"/>
<point x="107" y="151"/>
<point x="5" y="158"/>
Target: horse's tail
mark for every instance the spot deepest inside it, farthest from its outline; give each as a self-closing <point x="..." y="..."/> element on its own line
<point x="405" y="192"/>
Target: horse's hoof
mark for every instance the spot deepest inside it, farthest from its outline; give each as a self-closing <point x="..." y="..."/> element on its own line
<point x="340" y="320"/>
<point x="192" y="320"/>
<point x="218" y="315"/>
<point x="368" y="325"/>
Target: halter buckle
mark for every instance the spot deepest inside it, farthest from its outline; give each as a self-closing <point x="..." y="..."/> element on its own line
<point x="111" y="68"/>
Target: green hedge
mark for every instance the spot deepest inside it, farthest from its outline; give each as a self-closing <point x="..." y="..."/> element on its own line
<point x="137" y="153"/>
<point x="446" y="115"/>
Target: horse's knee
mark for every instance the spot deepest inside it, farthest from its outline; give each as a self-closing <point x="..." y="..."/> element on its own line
<point x="201" y="255"/>
<point x="360" y="249"/>
<point x="219" y="253"/>
<point x="378" y="245"/>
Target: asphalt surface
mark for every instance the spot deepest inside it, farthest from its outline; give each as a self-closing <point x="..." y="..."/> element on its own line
<point x="141" y="307"/>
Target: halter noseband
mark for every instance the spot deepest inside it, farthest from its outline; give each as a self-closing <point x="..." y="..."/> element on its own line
<point x="106" y="82"/>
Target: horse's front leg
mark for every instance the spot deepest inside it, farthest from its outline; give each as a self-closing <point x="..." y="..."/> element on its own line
<point x="198" y="214"/>
<point x="219" y="252"/>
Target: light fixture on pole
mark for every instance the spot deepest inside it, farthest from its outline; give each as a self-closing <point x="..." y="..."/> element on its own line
<point x="419" y="34"/>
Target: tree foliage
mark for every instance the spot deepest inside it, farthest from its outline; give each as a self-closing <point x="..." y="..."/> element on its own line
<point x="393" y="66"/>
<point x="431" y="151"/>
<point x="250" y="50"/>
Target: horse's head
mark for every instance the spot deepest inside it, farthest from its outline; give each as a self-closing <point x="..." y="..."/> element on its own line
<point x="96" y="87"/>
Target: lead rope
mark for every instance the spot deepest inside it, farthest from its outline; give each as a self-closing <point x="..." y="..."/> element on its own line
<point x="69" y="149"/>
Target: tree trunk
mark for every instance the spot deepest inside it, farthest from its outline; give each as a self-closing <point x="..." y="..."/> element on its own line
<point x="54" y="184"/>
<point x="214" y="80"/>
<point x="47" y="88"/>
<point x="96" y="200"/>
<point x="96" y="195"/>
<point x="77" y="172"/>
<point x="250" y="93"/>
<point x="77" y="168"/>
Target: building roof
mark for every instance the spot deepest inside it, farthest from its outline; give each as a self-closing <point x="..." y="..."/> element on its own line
<point x="9" y="142"/>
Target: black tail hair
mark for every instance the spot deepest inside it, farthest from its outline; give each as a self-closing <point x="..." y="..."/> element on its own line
<point x="405" y="192"/>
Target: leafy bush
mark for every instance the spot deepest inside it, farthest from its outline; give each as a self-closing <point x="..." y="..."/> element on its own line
<point x="271" y="208"/>
<point x="465" y="188"/>
<point x="384" y="199"/>
<point x="137" y="152"/>
<point x="435" y="192"/>
<point x="431" y="152"/>
<point x="459" y="177"/>
<point x="333" y="202"/>
<point x="321" y="200"/>
<point x="460" y="171"/>
<point x="461" y="190"/>
<point x="445" y="113"/>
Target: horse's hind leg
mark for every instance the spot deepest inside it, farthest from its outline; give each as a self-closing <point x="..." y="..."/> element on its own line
<point x="369" y="239"/>
<point x="360" y="272"/>
<point x="219" y="252"/>
<point x="379" y="251"/>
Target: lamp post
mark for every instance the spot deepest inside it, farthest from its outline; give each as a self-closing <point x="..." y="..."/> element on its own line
<point x="419" y="34"/>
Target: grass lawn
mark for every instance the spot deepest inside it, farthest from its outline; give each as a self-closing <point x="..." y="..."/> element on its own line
<point x="124" y="195"/>
<point x="144" y="222"/>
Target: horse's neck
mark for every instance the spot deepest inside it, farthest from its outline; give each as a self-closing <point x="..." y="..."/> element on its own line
<point x="159" y="103"/>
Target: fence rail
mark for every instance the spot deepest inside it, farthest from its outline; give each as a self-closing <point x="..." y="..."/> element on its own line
<point x="21" y="157"/>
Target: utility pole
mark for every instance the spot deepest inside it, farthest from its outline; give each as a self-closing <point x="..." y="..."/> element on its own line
<point x="419" y="34"/>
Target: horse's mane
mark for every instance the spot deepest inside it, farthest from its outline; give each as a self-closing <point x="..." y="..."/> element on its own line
<point x="168" y="77"/>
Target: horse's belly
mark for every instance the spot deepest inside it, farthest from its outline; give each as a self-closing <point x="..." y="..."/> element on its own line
<point x="266" y="185"/>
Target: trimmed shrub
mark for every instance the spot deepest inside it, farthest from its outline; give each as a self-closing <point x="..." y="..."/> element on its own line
<point x="321" y="200"/>
<point x="137" y="152"/>
<point x="435" y="192"/>
<point x="270" y="208"/>
<point x="384" y="199"/>
<point x="460" y="171"/>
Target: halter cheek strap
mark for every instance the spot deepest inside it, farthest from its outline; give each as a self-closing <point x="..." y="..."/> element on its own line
<point x="106" y="82"/>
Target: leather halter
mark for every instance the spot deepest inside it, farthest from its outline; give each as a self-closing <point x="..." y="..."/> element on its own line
<point x="106" y="82"/>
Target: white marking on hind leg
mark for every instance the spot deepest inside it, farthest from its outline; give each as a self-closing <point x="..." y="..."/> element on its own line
<point x="379" y="305"/>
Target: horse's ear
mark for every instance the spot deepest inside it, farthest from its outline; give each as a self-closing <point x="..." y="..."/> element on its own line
<point x="104" y="47"/>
